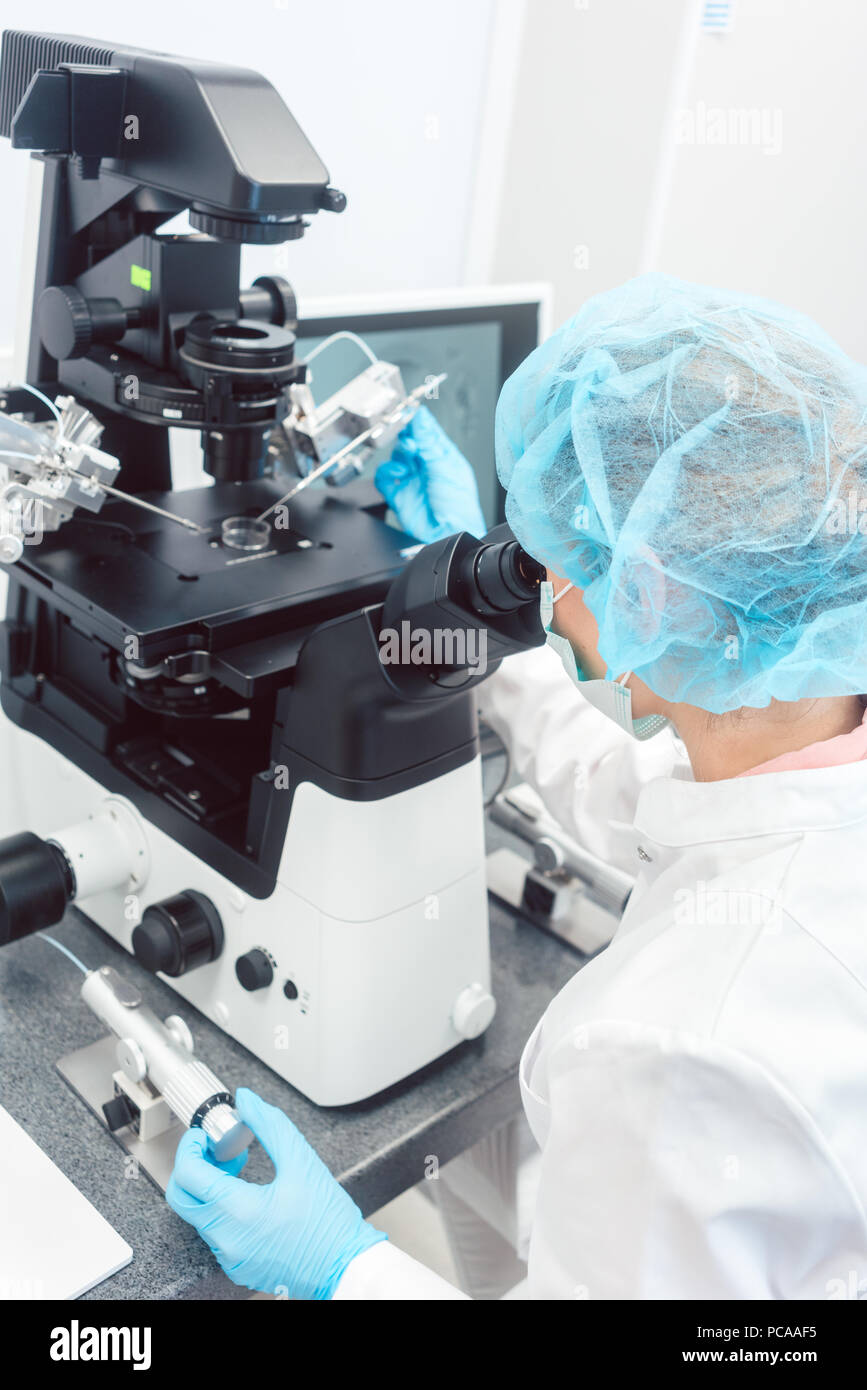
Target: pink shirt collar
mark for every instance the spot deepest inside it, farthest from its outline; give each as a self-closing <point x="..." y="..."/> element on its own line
<point x="830" y="752"/>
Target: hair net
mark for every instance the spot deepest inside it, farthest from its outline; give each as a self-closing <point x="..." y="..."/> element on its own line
<point x="696" y="462"/>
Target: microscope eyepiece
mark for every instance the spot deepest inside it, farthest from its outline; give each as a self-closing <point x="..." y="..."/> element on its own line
<point x="463" y="585"/>
<point x="503" y="577"/>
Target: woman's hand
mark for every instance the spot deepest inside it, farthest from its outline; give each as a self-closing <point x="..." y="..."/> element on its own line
<point x="295" y="1235"/>
<point x="428" y="483"/>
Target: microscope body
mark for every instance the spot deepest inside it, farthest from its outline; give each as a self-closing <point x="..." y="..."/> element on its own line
<point x="362" y="960"/>
<point x="210" y="756"/>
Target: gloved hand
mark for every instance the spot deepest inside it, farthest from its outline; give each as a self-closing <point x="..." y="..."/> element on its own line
<point x="428" y="483"/>
<point x="298" y="1232"/>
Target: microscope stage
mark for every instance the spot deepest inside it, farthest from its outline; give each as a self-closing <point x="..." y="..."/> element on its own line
<point x="128" y="573"/>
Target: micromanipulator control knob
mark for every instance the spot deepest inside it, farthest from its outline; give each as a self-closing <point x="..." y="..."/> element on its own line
<point x="178" y="934"/>
<point x="254" y="969"/>
<point x="473" y="1010"/>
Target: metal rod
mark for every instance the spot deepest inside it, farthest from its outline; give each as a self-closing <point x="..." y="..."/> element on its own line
<point x="136" y="501"/>
<point x="318" y="472"/>
<point x="62" y="466"/>
<point x="411" y="399"/>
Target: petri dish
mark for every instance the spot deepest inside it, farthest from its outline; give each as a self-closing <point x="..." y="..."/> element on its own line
<point x="245" y="533"/>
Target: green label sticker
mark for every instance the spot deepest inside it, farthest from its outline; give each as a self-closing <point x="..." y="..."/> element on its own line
<point x="140" y="277"/>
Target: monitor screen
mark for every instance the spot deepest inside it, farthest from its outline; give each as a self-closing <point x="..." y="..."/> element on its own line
<point x="477" y="345"/>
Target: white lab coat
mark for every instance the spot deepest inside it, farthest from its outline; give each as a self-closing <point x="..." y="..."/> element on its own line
<point x="699" y="1090"/>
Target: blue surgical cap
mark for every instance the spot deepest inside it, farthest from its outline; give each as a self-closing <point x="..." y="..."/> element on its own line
<point x="696" y="462"/>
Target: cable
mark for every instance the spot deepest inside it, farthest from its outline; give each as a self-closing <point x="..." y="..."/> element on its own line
<point x="16" y="454"/>
<point x="40" y="397"/>
<point x="507" y="770"/>
<point x="75" y="961"/>
<point x="349" y="337"/>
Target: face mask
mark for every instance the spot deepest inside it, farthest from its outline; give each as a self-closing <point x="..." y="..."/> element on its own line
<point x="612" y="698"/>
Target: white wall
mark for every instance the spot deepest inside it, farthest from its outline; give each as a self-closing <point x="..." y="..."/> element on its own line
<point x="389" y="92"/>
<point x="590" y="95"/>
<point x="561" y="181"/>
<point x="592" y="131"/>
<point x="789" y="223"/>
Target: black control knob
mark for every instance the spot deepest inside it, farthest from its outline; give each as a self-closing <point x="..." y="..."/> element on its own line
<point x="120" y="1112"/>
<point x="225" y="227"/>
<point x="270" y="298"/>
<point x="69" y="324"/>
<point x="36" y="885"/>
<point x="178" y="934"/>
<point x="254" y="970"/>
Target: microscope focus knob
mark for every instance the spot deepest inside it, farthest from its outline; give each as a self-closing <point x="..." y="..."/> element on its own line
<point x="254" y="970"/>
<point x="474" y="1008"/>
<point x="64" y="322"/>
<point x="69" y="324"/>
<point x="178" y="934"/>
<point x="279" y="296"/>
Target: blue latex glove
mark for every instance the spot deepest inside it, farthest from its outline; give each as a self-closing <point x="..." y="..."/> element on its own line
<point x="428" y="483"/>
<point x="297" y="1233"/>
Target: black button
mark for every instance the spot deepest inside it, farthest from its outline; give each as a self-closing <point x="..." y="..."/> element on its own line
<point x="120" y="1112"/>
<point x="254" y="970"/>
<point x="290" y="989"/>
<point x="178" y="934"/>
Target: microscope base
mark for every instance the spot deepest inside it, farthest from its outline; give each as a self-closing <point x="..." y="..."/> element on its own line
<point x="375" y="937"/>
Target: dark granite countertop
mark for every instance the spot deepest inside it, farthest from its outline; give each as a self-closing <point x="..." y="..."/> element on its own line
<point x="377" y="1148"/>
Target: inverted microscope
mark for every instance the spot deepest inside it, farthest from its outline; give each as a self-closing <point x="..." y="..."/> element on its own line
<point x="211" y="758"/>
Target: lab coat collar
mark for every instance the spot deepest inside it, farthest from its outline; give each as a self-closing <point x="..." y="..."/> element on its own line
<point x="673" y="812"/>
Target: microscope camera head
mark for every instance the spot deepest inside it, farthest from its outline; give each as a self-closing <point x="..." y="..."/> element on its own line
<point x="153" y="329"/>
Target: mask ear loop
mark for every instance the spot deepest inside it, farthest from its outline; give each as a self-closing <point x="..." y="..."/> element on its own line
<point x="624" y="680"/>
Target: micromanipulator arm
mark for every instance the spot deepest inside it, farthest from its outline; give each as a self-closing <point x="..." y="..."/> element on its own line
<point x="162" y="1053"/>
